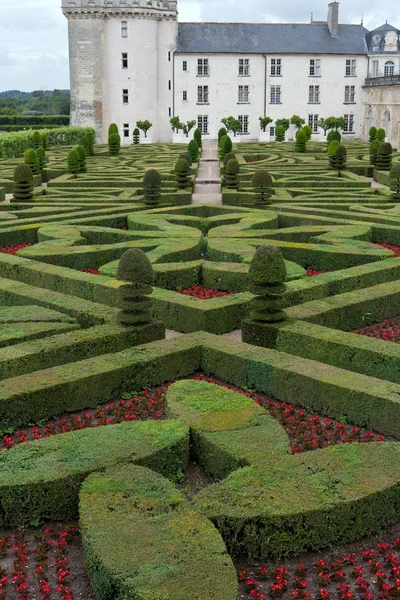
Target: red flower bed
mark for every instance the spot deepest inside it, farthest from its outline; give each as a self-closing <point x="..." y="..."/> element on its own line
<point x="202" y="293"/>
<point x="313" y="272"/>
<point x="395" y="249"/>
<point x="366" y="574"/>
<point x="14" y="249"/>
<point x="388" y="330"/>
<point x="91" y="271"/>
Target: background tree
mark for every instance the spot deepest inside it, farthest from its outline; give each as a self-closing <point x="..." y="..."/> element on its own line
<point x="232" y="124"/>
<point x="144" y="126"/>
<point x="285" y="123"/>
<point x="176" y="124"/>
<point x="187" y="127"/>
<point x="297" y="121"/>
<point x="264" y="122"/>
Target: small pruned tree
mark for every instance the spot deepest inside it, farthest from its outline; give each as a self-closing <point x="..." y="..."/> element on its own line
<point x="176" y="124"/>
<point x="341" y="157"/>
<point x="187" y="127"/>
<point x="280" y="133"/>
<point x="372" y="134"/>
<point x="198" y="137"/>
<point x="232" y="124"/>
<point x="134" y="302"/>
<point x="31" y="160"/>
<point x="225" y="146"/>
<point x="394" y="176"/>
<point x="232" y="174"/>
<point x="84" y="141"/>
<point x="193" y="150"/>
<point x="334" y="123"/>
<point x="301" y="141"/>
<point x="264" y="122"/>
<point x="384" y="157"/>
<point x="308" y="131"/>
<point x="23" y="183"/>
<point x="381" y="134"/>
<point x="113" y="128"/>
<point x="332" y="153"/>
<point x="114" y="144"/>
<point x="37" y="140"/>
<point x="136" y="136"/>
<point x="41" y="158"/>
<point x="262" y="188"/>
<point x="144" y="126"/>
<point x="152" y="188"/>
<point x="285" y="123"/>
<point x="221" y="133"/>
<point x="89" y="135"/>
<point x="373" y="151"/>
<point x="82" y="158"/>
<point x="73" y="165"/>
<point x="182" y="172"/>
<point x="297" y="121"/>
<point x="323" y="124"/>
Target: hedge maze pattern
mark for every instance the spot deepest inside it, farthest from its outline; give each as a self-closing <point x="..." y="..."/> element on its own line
<point x="62" y="349"/>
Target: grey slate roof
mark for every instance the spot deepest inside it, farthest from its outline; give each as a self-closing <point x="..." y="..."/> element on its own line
<point x="270" y="38"/>
<point x="382" y="31"/>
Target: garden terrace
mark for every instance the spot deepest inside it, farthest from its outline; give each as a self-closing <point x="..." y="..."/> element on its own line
<point x="78" y="437"/>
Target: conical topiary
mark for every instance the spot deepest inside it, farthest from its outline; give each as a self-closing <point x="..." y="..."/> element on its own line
<point x="373" y="152"/>
<point x="41" y="158"/>
<point x="182" y="170"/>
<point x="23" y="183"/>
<point x="136" y="136"/>
<point x="113" y="128"/>
<point x="186" y="156"/>
<point x="221" y="133"/>
<point x="280" y="133"/>
<point x="308" y="131"/>
<point x="45" y="140"/>
<point x="267" y="275"/>
<point x="232" y="174"/>
<point x="381" y="134"/>
<point x="225" y="146"/>
<point x="262" y="188"/>
<point x="333" y="146"/>
<point x="152" y="188"/>
<point x="384" y="157"/>
<point x="31" y="160"/>
<point x="228" y="157"/>
<point x="193" y="150"/>
<point x="197" y="136"/>
<point x="91" y="140"/>
<point x="341" y="157"/>
<point x="114" y="144"/>
<point x="73" y="162"/>
<point x="82" y="158"/>
<point x="135" y="269"/>
<point x="84" y="141"/>
<point x="301" y="141"/>
<point x="395" y="181"/>
<point x="37" y="140"/>
<point x="372" y="134"/>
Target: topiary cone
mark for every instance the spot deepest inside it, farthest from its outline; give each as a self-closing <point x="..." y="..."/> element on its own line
<point x="182" y="171"/>
<point x="231" y="175"/>
<point x="23" y="183"/>
<point x="395" y="181"/>
<point x="267" y="275"/>
<point x="135" y="269"/>
<point x="262" y="188"/>
<point x="152" y="188"/>
<point x="30" y="159"/>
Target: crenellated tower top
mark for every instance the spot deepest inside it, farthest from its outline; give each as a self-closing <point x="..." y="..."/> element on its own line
<point x="94" y="8"/>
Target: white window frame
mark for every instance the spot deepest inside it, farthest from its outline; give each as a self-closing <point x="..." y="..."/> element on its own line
<point x="203" y="67"/>
<point x="243" y="94"/>
<point x="125" y="96"/>
<point x="314" y="94"/>
<point x="202" y="94"/>
<point x="202" y="124"/>
<point x="124" y="29"/>
<point x="313" y="123"/>
<point x="351" y="67"/>
<point x="348" y="123"/>
<point x="244" y="121"/>
<point x="389" y="68"/>
<point x="244" y="67"/>
<point x="276" y="67"/>
<point x="275" y="96"/>
<point x="350" y="94"/>
<point x="315" y="67"/>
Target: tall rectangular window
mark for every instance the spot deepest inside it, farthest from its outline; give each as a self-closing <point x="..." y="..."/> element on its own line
<point x="202" y="94"/>
<point x="243" y="94"/>
<point x="244" y="67"/>
<point x="349" y="94"/>
<point x="185" y="96"/>
<point x="276" y="67"/>
<point x="126" y="130"/>
<point x="313" y="122"/>
<point x="124" y="60"/>
<point x="169" y="84"/>
<point x="348" y="123"/>
<point x="125" y="96"/>
<point x="202" y="124"/>
<point x="315" y="67"/>
<point x="124" y="28"/>
<point x="184" y="65"/>
<point x="203" y="67"/>
<point x="169" y="56"/>
<point x="244" y="121"/>
<point x="375" y="68"/>
<point x="313" y="94"/>
<point x="351" y="67"/>
<point x="275" y="94"/>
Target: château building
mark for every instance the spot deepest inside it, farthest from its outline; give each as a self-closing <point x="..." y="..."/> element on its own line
<point x="132" y="60"/>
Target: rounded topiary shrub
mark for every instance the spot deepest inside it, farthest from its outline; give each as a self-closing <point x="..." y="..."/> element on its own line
<point x="372" y="134"/>
<point x="45" y="140"/>
<point x="301" y="141"/>
<point x="113" y="128"/>
<point x="384" y="157"/>
<point x="267" y="274"/>
<point x="193" y="150"/>
<point x="84" y="141"/>
<point x="152" y="188"/>
<point x="182" y="171"/>
<point x="262" y="188"/>
<point x="82" y="158"/>
<point x="221" y="133"/>
<point x="373" y="151"/>
<point x="381" y="134"/>
<point x="332" y="153"/>
<point x="186" y="156"/>
<point x="23" y="183"/>
<point x="73" y="162"/>
<point x="225" y="146"/>
<point x="41" y="158"/>
<point x="90" y="138"/>
<point x="334" y="136"/>
<point x="197" y="136"/>
<point x="134" y="268"/>
<point x="341" y="157"/>
<point x="232" y="174"/>
<point x="280" y="133"/>
<point x="308" y="131"/>
<point x="395" y="181"/>
<point x="37" y="140"/>
<point x="31" y="160"/>
<point x="114" y="144"/>
<point x="228" y="157"/>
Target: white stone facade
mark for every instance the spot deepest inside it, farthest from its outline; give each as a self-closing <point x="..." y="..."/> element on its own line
<point x="128" y="63"/>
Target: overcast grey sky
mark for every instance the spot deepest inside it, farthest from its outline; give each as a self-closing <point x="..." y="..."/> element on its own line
<point x="34" y="43"/>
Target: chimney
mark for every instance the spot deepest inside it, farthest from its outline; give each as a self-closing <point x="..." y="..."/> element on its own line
<point x="333" y="18"/>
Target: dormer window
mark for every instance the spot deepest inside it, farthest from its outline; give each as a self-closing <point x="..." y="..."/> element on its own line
<point x="391" y="41"/>
<point x="376" y="42"/>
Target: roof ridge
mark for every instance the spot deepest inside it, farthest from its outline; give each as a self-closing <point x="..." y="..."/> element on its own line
<point x="262" y="23"/>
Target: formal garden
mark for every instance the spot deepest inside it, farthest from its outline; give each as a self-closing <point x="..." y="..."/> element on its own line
<point x="199" y="401"/>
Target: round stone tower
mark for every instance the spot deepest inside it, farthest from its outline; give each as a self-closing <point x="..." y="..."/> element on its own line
<point x="121" y="64"/>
